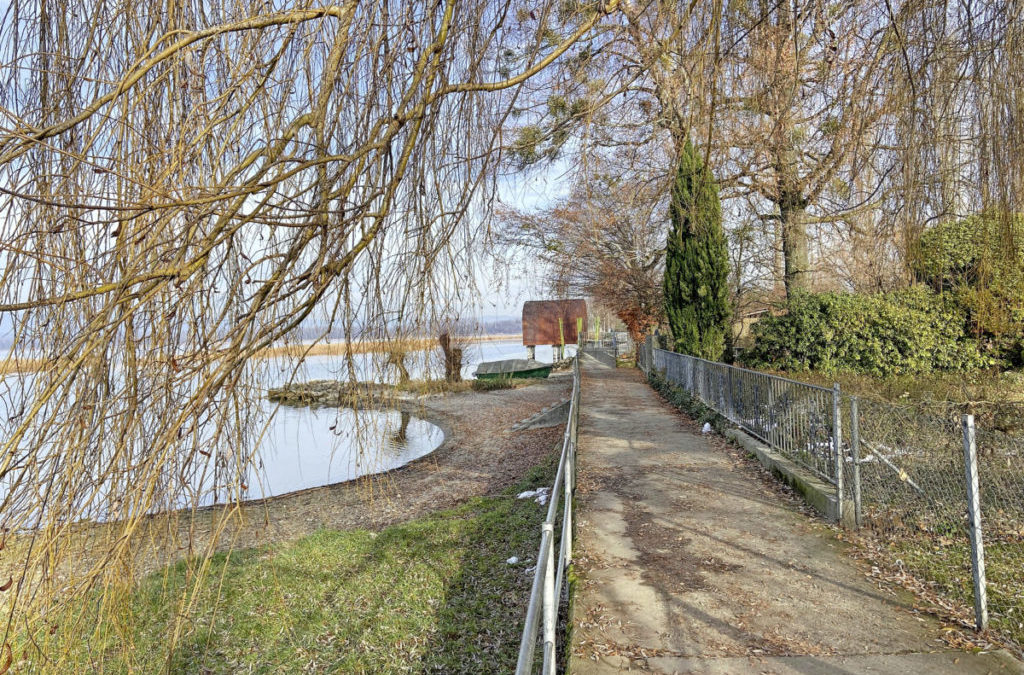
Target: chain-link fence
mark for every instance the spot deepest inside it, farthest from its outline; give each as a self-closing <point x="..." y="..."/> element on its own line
<point x="912" y="486"/>
<point x="1001" y="476"/>
<point x="905" y="474"/>
<point x="645" y="354"/>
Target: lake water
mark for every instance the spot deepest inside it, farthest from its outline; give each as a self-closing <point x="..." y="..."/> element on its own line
<point x="373" y="366"/>
<point x="302" y="447"/>
<point x="307" y="447"/>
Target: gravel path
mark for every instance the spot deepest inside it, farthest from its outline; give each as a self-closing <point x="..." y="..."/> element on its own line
<point x="690" y="563"/>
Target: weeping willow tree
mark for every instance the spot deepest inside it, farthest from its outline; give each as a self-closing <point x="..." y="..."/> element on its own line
<point x="186" y="184"/>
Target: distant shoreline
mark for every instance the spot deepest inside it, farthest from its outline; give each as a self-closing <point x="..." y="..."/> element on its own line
<point x="372" y="346"/>
<point x="12" y="366"/>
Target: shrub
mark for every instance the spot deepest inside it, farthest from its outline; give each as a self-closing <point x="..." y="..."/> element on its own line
<point x="981" y="250"/>
<point x="980" y="260"/>
<point x="909" y="331"/>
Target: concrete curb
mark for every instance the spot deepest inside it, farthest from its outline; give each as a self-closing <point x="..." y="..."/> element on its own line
<point x="816" y="492"/>
<point x="551" y="416"/>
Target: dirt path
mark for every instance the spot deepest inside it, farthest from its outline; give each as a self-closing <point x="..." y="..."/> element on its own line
<point x="690" y="563"/>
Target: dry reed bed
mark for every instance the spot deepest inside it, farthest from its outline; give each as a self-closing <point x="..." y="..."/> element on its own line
<point x="12" y="364"/>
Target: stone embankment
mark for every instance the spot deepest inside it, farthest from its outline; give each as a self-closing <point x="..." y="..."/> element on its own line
<point x="335" y="393"/>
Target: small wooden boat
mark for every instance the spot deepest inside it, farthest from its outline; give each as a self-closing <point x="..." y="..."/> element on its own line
<point x="512" y="368"/>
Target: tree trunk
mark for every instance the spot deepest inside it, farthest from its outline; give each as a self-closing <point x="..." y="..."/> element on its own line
<point x="796" y="259"/>
<point x="452" y="359"/>
<point x="397" y="359"/>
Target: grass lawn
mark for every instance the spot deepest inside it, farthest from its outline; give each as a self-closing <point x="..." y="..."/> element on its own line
<point x="430" y="595"/>
<point x="948" y="569"/>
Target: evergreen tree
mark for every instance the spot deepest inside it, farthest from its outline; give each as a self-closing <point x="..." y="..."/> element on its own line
<point x="696" y="262"/>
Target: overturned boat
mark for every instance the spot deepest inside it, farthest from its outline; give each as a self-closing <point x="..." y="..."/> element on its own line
<point x="512" y="368"/>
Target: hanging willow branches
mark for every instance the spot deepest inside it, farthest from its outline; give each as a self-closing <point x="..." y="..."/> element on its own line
<point x="185" y="184"/>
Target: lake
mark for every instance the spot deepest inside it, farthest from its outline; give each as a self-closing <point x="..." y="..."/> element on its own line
<point x="300" y="447"/>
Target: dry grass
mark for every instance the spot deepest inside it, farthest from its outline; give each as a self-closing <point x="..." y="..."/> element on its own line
<point x="369" y="346"/>
<point x="12" y="365"/>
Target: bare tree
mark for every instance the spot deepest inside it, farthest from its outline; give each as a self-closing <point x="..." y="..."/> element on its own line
<point x="606" y="241"/>
<point x="785" y="99"/>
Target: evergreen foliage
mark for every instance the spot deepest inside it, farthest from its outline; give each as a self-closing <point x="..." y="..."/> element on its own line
<point x="980" y="261"/>
<point x="910" y="331"/>
<point x="696" y="262"/>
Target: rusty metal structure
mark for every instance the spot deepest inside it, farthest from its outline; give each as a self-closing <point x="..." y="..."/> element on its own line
<point x="553" y="322"/>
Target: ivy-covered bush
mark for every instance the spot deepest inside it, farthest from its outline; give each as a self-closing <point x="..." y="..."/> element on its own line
<point x="910" y="331"/>
<point x="984" y="249"/>
<point x="980" y="260"/>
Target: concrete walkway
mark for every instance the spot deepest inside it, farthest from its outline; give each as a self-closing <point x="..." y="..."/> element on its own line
<point x="689" y="563"/>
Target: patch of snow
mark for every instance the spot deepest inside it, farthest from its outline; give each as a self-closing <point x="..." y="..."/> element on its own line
<point x="707" y="428"/>
<point x="513" y="560"/>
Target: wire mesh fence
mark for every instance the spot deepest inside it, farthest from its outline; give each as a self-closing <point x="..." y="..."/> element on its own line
<point x="903" y="470"/>
<point x="1000" y="442"/>
<point x="645" y="354"/>
<point x="909" y="490"/>
<point x="913" y="496"/>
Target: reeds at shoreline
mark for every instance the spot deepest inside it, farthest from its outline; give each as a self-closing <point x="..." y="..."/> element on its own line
<point x="12" y="365"/>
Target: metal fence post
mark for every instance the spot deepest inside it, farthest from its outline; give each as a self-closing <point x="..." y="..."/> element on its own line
<point x="855" y="448"/>
<point x="974" y="524"/>
<point x="732" y="397"/>
<point x="550" y="601"/>
<point x="837" y="448"/>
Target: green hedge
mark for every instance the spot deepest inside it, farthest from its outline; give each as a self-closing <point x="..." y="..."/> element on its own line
<point x="981" y="250"/>
<point x="910" y="331"/>
<point x="980" y="260"/>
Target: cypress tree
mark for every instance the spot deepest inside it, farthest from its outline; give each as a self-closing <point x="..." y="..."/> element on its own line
<point x="697" y="262"/>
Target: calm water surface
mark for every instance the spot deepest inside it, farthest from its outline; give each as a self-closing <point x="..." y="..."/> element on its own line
<point x="373" y="366"/>
<point x="304" y="447"/>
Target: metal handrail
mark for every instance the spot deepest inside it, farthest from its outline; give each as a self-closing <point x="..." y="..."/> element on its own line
<point x="550" y="572"/>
